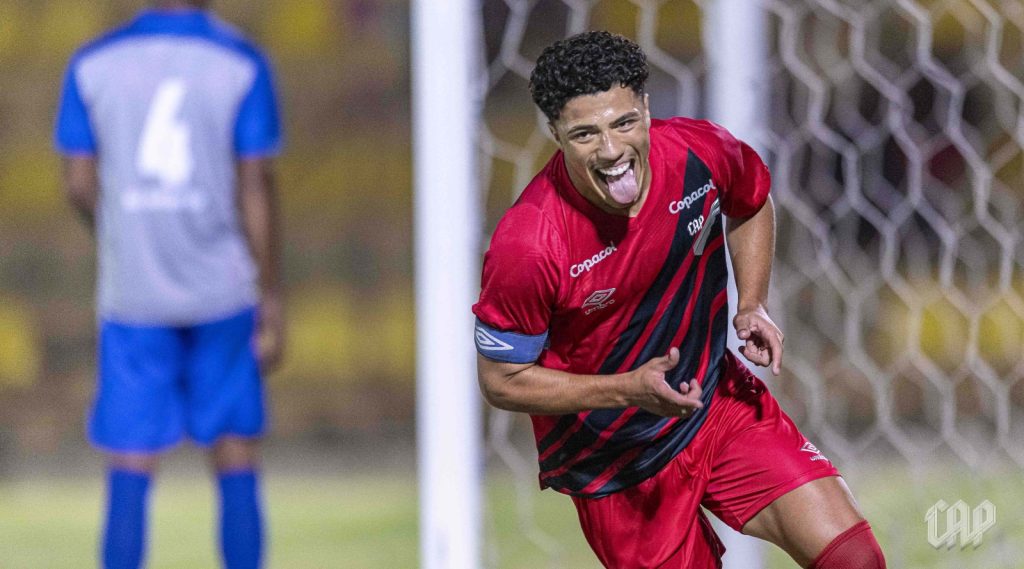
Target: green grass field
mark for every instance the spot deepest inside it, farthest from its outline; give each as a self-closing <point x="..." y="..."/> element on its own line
<point x="315" y="522"/>
<point x="369" y="521"/>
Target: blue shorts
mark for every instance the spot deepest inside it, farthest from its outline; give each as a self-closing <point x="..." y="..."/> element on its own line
<point x="156" y="383"/>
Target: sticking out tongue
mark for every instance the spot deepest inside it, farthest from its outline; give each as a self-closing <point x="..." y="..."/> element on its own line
<point x="624" y="188"/>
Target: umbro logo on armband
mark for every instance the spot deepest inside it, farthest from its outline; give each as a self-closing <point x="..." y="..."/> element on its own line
<point x="486" y="341"/>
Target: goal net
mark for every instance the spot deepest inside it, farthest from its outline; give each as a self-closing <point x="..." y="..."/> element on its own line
<point x="894" y="131"/>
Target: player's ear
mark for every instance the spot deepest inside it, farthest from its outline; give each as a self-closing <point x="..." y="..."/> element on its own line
<point x="554" y="132"/>
<point x="647" y="110"/>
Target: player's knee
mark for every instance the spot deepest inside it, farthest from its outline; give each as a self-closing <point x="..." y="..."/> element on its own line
<point x="134" y="462"/>
<point x="855" y="548"/>
<point x="235" y="453"/>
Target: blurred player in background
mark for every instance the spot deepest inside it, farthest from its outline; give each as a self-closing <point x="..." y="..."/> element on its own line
<point x="603" y="314"/>
<point x="168" y="126"/>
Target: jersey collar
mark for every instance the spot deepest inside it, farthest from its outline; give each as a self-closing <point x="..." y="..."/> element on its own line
<point x="154" y="20"/>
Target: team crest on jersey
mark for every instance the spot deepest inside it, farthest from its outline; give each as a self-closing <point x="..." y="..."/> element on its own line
<point x="488" y="342"/>
<point x="810" y="448"/>
<point x="598" y="299"/>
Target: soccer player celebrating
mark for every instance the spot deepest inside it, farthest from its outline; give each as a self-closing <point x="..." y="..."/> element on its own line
<point x="603" y="315"/>
<point x="168" y="126"/>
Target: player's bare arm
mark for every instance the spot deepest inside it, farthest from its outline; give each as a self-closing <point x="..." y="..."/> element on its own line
<point x="82" y="187"/>
<point x="752" y="248"/>
<point x="257" y="202"/>
<point x="531" y="388"/>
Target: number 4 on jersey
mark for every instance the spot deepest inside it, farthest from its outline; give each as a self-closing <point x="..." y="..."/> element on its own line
<point x="165" y="150"/>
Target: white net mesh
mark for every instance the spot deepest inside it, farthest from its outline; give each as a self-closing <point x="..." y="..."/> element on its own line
<point x="895" y="139"/>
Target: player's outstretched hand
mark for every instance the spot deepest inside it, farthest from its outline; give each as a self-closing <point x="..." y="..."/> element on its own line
<point x="763" y="339"/>
<point x="654" y="394"/>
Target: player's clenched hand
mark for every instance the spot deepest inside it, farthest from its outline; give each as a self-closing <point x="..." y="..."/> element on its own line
<point x="762" y="338"/>
<point x="653" y="393"/>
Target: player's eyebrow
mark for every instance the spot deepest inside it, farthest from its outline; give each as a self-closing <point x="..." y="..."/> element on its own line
<point x="628" y="115"/>
<point x="634" y="114"/>
<point x="581" y="128"/>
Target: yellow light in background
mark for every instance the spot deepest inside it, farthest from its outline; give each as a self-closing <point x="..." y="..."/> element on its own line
<point x="20" y="346"/>
<point x="339" y="337"/>
<point x="944" y="334"/>
<point x="298" y="28"/>
<point x="322" y="333"/>
<point x="945" y="331"/>
<point x="64" y="26"/>
<point x="31" y="184"/>
<point x="1001" y="334"/>
<point x="393" y="338"/>
<point x="616" y="17"/>
<point x="11" y="24"/>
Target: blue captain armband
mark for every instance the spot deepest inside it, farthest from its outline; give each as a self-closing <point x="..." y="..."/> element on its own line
<point x="508" y="347"/>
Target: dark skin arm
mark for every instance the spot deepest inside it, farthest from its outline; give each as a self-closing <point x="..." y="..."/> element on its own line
<point x="752" y="248"/>
<point x="82" y="188"/>
<point x="537" y="390"/>
<point x="258" y="206"/>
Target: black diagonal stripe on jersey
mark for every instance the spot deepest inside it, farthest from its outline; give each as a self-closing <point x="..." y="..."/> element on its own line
<point x="713" y="282"/>
<point x="715" y="279"/>
<point x="697" y="174"/>
<point x="565" y="423"/>
<point x="692" y="344"/>
<point x="656" y="456"/>
<point x="653" y="458"/>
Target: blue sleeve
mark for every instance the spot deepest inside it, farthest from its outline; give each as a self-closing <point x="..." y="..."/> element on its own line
<point x="73" y="133"/>
<point x="508" y="347"/>
<point x="258" y="128"/>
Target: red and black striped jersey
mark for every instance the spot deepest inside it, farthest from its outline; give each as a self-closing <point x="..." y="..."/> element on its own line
<point x="577" y="289"/>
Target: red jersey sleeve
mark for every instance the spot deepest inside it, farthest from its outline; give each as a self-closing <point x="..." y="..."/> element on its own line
<point x="741" y="174"/>
<point x="520" y="284"/>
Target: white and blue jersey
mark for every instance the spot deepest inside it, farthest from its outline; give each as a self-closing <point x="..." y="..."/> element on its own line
<point x="167" y="104"/>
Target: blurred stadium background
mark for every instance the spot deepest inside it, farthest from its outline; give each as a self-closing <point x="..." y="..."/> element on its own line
<point x="895" y="134"/>
<point x="343" y="77"/>
<point x="344" y="399"/>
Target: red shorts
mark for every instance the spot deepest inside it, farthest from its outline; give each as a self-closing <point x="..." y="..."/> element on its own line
<point x="747" y="454"/>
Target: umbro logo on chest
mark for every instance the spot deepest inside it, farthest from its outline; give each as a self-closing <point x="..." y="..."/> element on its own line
<point x="598" y="300"/>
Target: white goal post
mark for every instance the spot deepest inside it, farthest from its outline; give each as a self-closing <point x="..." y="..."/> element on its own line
<point x="447" y="243"/>
<point x="736" y="67"/>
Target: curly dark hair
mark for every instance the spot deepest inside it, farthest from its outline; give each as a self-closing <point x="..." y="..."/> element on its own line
<point x="585" y="64"/>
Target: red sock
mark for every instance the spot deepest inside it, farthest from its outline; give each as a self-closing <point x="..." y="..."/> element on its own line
<point x="855" y="548"/>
